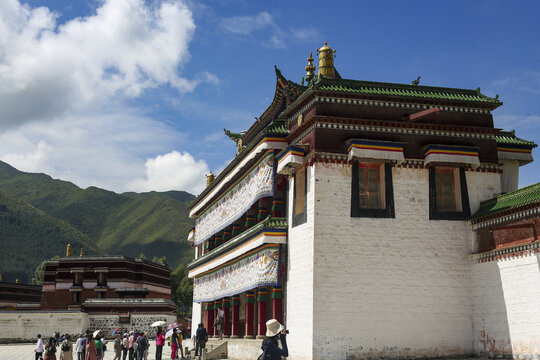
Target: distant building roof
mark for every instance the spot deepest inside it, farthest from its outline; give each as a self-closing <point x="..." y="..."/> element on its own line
<point x="509" y="137"/>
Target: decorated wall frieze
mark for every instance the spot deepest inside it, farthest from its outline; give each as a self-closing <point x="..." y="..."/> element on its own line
<point x="507" y="253"/>
<point x="506" y="218"/>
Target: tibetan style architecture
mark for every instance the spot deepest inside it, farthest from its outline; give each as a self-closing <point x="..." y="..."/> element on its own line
<point x="115" y="291"/>
<point x="368" y="217"/>
<point x="16" y="296"/>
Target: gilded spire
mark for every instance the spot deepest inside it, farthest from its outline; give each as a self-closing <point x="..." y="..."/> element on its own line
<point x="310" y="68"/>
<point x="326" y="61"/>
<point x="82" y="252"/>
<point x="68" y="250"/>
<point x="16" y="281"/>
<point x="209" y="178"/>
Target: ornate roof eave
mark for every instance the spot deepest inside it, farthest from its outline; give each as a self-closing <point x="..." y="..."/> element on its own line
<point x="283" y="87"/>
<point x="233" y="165"/>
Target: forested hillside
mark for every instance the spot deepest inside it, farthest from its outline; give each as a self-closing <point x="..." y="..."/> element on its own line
<point x="40" y="215"/>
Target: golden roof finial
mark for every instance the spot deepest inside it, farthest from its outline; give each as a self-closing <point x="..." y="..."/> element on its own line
<point x="326" y="61"/>
<point x="209" y="178"/>
<point x="310" y="68"/>
<point x="68" y="250"/>
<point x="1" y="278"/>
<point x="82" y="252"/>
<point x="16" y="281"/>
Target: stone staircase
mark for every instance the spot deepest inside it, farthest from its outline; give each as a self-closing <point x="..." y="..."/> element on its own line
<point x="215" y="349"/>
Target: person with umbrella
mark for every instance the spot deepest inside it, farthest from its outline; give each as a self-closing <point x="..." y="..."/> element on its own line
<point x="91" y="351"/>
<point x="175" y="343"/>
<point x="160" y="341"/>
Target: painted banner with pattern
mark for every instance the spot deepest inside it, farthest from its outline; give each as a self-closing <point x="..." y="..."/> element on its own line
<point x="259" y="267"/>
<point x="256" y="184"/>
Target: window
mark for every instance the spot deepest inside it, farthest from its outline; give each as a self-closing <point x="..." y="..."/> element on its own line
<point x="75" y="298"/>
<point x="372" y="191"/>
<point x="300" y="196"/>
<point x="101" y="294"/>
<point x="78" y="279"/>
<point x="102" y="279"/>
<point x="448" y="197"/>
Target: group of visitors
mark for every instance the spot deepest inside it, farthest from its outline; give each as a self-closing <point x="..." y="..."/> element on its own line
<point x="87" y="347"/>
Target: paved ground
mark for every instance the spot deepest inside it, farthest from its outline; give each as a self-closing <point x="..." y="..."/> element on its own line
<point x="26" y="352"/>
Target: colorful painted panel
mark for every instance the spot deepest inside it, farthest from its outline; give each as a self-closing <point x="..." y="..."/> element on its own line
<point x="451" y="154"/>
<point x="257" y="183"/>
<point x="294" y="156"/>
<point x="369" y="149"/>
<point x="515" y="152"/>
<point x="259" y="267"/>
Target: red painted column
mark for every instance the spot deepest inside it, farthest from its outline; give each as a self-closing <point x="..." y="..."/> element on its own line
<point x="226" y="317"/>
<point x="210" y="318"/>
<point x="262" y="297"/>
<point x="235" y="310"/>
<point x="277" y="208"/>
<point x="250" y="302"/>
<point x="277" y="304"/>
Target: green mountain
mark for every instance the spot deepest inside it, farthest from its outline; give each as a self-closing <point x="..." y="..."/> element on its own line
<point x="39" y="215"/>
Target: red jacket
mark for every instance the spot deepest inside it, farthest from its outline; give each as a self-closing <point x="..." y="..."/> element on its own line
<point x="160" y="339"/>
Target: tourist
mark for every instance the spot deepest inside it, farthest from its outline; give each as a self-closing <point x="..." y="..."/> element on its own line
<point x="99" y="346"/>
<point x="83" y="345"/>
<point x="131" y="342"/>
<point x="142" y="346"/>
<point x="39" y="347"/>
<point x="201" y="337"/>
<point x="125" y="346"/>
<point x="79" y="348"/>
<point x="91" y="351"/>
<point x="117" y="345"/>
<point x="147" y="350"/>
<point x="57" y="338"/>
<point x="270" y="345"/>
<point x="160" y="341"/>
<point x="66" y="348"/>
<point x="175" y="343"/>
<point x="50" y="350"/>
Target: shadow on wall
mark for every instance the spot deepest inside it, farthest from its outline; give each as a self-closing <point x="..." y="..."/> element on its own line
<point x="491" y="333"/>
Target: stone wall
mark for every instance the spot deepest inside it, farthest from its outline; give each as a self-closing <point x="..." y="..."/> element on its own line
<point x="20" y="326"/>
<point x="108" y="322"/>
<point x="298" y="302"/>
<point x="506" y="315"/>
<point x="390" y="287"/>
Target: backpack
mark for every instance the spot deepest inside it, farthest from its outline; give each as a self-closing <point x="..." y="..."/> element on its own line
<point x="49" y="350"/>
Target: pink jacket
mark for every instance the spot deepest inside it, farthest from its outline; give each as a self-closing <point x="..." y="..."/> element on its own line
<point x="160" y="339"/>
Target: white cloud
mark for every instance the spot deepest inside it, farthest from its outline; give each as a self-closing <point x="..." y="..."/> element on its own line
<point x="127" y="46"/>
<point x="244" y="25"/>
<point x="172" y="171"/>
<point x="30" y="161"/>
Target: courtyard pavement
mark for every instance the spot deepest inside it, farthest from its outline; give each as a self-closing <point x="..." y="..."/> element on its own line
<point x="26" y="351"/>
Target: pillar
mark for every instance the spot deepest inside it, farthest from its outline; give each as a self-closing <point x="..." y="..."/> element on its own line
<point x="218" y="240"/>
<point x="210" y="318"/>
<point x="226" y="235"/>
<point x="235" y="229"/>
<point x="209" y="245"/>
<point x="235" y="315"/>
<point x="251" y="214"/>
<point x="277" y="207"/>
<point x="250" y="302"/>
<point x="262" y="298"/>
<point x="216" y="309"/>
<point x="277" y="304"/>
<point x="226" y="305"/>
<point x="263" y="210"/>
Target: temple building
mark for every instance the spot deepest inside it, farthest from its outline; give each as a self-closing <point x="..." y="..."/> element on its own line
<point x="359" y="214"/>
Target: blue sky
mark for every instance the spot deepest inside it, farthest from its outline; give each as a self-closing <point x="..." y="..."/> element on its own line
<point x="134" y="95"/>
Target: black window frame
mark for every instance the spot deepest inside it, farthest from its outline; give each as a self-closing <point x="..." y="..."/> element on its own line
<point x="435" y="214"/>
<point x="302" y="217"/>
<point x="388" y="211"/>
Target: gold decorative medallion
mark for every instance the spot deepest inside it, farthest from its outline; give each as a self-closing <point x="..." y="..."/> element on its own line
<point x="300" y="119"/>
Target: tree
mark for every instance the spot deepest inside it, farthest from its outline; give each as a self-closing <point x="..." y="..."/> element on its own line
<point x="182" y="290"/>
<point x="40" y="271"/>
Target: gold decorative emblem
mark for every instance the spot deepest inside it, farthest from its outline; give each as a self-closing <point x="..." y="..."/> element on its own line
<point x="300" y="119"/>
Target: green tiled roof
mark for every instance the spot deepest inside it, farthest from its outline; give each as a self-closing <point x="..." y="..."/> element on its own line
<point x="268" y="223"/>
<point x="515" y="199"/>
<point x="403" y="90"/>
<point x="509" y="137"/>
<point x="277" y="127"/>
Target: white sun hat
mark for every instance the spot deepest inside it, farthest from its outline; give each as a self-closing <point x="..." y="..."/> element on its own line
<point x="273" y="327"/>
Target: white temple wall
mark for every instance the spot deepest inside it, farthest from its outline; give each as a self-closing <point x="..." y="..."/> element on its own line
<point x="506" y="311"/>
<point x="391" y="287"/>
<point x="298" y="302"/>
<point x="510" y="175"/>
<point x="196" y="316"/>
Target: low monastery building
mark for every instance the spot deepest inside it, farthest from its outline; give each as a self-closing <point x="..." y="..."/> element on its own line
<point x="368" y="217"/>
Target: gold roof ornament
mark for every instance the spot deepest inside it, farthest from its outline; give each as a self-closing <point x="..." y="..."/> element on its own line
<point x="1" y="278"/>
<point x="82" y="252"/>
<point x="209" y="178"/>
<point x="310" y="68"/>
<point x="68" y="250"/>
<point x="16" y="281"/>
<point x="326" y="61"/>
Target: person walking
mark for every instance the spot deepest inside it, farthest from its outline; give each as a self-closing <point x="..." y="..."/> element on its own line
<point x="160" y="341"/>
<point x="91" y="351"/>
<point x="131" y="341"/>
<point x="201" y="337"/>
<point x="84" y="342"/>
<point x="66" y="348"/>
<point x="218" y="323"/>
<point x="125" y="346"/>
<point x="117" y="345"/>
<point x="142" y="345"/>
<point x="39" y="347"/>
<point x="147" y="350"/>
<point x="175" y="343"/>
<point x="50" y="350"/>
<point x="78" y="347"/>
<point x="270" y="345"/>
